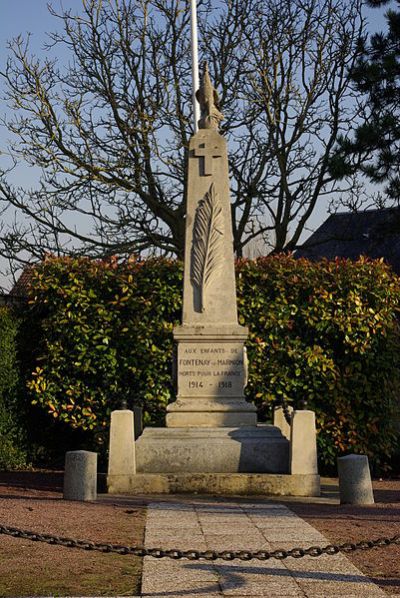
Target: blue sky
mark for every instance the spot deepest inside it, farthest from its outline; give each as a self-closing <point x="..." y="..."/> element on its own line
<point x="23" y="17"/>
<point x="32" y="16"/>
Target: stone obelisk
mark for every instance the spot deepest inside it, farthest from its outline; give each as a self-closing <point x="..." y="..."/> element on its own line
<point x="210" y="343"/>
<point x="210" y="426"/>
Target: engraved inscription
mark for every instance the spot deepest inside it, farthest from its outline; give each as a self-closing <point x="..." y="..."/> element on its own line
<point x="207" y="255"/>
<point x="216" y="369"/>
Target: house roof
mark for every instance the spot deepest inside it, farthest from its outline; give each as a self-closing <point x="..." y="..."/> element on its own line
<point x="21" y="287"/>
<point x="374" y="233"/>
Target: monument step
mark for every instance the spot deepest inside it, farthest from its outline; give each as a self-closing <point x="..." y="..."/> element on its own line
<point x="209" y="413"/>
<point x="222" y="484"/>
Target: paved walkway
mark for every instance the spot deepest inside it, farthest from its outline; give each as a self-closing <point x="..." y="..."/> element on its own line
<point x="210" y="524"/>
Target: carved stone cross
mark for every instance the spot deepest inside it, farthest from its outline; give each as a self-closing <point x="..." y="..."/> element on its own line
<point x="208" y="153"/>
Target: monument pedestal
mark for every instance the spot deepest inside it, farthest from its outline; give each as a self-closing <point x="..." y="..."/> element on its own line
<point x="250" y="449"/>
<point x="211" y="374"/>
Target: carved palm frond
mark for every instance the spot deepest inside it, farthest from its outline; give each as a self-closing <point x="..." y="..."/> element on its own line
<point x="208" y="247"/>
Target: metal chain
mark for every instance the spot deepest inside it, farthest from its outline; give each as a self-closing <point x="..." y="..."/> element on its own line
<point x="194" y="555"/>
<point x="286" y="412"/>
<point x="281" y="402"/>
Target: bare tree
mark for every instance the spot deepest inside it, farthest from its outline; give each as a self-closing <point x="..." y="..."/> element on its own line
<point x="109" y="130"/>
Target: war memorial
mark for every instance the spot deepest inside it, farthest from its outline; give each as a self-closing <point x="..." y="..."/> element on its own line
<point x="212" y="441"/>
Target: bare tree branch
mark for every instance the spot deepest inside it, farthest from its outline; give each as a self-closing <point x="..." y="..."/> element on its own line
<point x="109" y="130"/>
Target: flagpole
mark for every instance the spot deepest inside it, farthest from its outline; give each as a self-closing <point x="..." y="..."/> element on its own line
<point x="195" y="63"/>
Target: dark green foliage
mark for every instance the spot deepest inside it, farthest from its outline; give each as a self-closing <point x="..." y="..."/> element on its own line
<point x="12" y="453"/>
<point x="374" y="149"/>
<point x="326" y="333"/>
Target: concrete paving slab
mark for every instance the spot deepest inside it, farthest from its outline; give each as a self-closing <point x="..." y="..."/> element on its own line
<point x="216" y="529"/>
<point x="230" y="525"/>
<point x="189" y="575"/>
<point x="264" y="588"/>
<point x="340" y="589"/>
<point x="272" y="523"/>
<point x="182" y="586"/>
<point x="293" y="538"/>
<point x="325" y="564"/>
<point x="164" y="532"/>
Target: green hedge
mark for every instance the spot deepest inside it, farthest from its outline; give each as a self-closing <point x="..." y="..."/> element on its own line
<point x="12" y="437"/>
<point x="322" y="332"/>
<point x="106" y="338"/>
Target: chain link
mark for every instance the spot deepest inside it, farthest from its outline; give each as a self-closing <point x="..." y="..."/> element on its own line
<point x="195" y="555"/>
<point x="286" y="412"/>
<point x="285" y="408"/>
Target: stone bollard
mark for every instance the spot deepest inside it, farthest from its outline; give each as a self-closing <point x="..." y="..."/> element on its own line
<point x="280" y="422"/>
<point x="303" y="443"/>
<point x="355" y="484"/>
<point x="122" y="460"/>
<point x="80" y="475"/>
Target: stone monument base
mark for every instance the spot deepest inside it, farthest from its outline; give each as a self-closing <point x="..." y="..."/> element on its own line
<point x="223" y="484"/>
<point x="246" y="449"/>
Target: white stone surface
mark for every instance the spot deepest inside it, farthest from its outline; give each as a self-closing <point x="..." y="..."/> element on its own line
<point x="121" y="463"/>
<point x="80" y="476"/>
<point x="303" y="443"/>
<point x="208" y="525"/>
<point x="355" y="484"/>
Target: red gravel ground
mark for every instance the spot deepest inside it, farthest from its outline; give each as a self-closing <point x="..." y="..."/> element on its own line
<point x="36" y="569"/>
